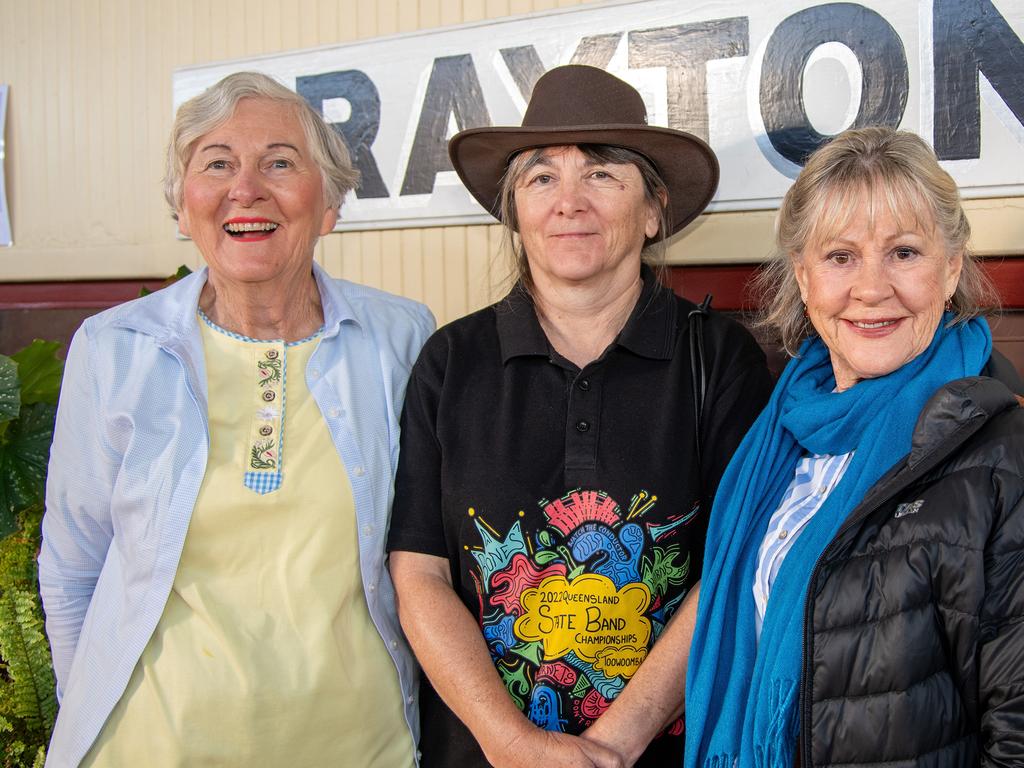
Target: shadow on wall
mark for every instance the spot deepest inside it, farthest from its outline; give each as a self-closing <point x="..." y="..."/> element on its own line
<point x="18" y="327"/>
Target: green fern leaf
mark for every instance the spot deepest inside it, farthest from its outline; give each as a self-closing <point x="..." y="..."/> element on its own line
<point x="31" y="691"/>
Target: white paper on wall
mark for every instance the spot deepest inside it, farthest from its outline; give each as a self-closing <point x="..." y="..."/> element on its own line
<point x="5" y="220"/>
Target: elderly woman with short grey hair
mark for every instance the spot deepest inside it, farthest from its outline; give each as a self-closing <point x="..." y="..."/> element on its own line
<point x="221" y="476"/>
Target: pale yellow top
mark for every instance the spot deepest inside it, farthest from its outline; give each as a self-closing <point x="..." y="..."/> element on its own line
<point x="265" y="654"/>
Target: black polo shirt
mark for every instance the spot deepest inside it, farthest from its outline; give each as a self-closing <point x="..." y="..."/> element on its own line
<point x="567" y="501"/>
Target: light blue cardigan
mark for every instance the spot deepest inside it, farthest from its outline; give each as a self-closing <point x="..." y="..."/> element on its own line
<point x="128" y="457"/>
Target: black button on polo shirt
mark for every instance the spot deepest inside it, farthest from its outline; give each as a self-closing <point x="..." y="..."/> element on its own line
<point x="582" y="419"/>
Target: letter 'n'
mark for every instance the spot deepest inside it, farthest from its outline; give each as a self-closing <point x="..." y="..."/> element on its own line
<point x="971" y="37"/>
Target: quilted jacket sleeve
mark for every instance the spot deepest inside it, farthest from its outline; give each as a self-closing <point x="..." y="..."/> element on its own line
<point x="1001" y="654"/>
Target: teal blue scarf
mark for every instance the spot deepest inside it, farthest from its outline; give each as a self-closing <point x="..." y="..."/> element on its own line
<point x="742" y="695"/>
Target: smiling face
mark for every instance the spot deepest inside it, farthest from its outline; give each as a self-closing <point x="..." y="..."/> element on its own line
<point x="582" y="221"/>
<point x="253" y="199"/>
<point x="876" y="289"/>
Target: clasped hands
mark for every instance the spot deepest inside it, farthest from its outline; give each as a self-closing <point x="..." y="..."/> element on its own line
<point x="530" y="746"/>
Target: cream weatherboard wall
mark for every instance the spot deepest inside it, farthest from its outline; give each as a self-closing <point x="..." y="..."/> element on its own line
<point x="90" y="109"/>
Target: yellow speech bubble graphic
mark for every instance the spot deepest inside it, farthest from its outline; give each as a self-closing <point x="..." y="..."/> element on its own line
<point x="589" y="617"/>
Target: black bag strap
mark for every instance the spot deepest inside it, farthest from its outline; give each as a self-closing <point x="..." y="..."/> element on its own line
<point x="698" y="375"/>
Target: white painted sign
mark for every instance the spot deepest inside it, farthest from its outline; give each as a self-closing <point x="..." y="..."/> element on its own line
<point x="5" y="219"/>
<point x="764" y="83"/>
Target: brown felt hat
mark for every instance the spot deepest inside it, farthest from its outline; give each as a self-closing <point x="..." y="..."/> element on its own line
<point x="576" y="104"/>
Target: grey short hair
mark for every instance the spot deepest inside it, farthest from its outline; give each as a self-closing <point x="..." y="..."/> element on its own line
<point x="896" y="169"/>
<point x="655" y="192"/>
<point x="215" y="106"/>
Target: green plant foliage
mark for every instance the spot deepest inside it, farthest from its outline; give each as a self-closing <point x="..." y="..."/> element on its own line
<point x="28" y="704"/>
<point x="18" y="552"/>
<point x="24" y="453"/>
<point x="10" y="391"/>
<point x="29" y="387"/>
<point x="182" y="272"/>
<point x="30" y="695"/>
<point x="40" y="372"/>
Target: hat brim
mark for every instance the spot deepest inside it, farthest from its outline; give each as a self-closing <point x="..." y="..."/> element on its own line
<point x="686" y="164"/>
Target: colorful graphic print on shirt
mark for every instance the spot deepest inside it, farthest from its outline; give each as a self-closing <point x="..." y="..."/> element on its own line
<point x="570" y="611"/>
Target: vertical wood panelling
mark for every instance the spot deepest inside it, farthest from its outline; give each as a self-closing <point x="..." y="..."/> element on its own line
<point x="474" y="10"/>
<point x="82" y="50"/>
<point x="478" y="268"/>
<point x="155" y="117"/>
<point x="63" y="140"/>
<point x="451" y="12"/>
<point x="500" y="275"/>
<point x="433" y="272"/>
<point x="328" y="254"/>
<point x="327" y="22"/>
<point x="309" y="22"/>
<point x="372" y="268"/>
<point x="366" y="19"/>
<point x="430" y="13"/>
<point x="391" y="261"/>
<point x="495" y="8"/>
<point x="287" y="20"/>
<point x="411" y="250"/>
<point x="115" y="122"/>
<point x="349" y="20"/>
<point x="408" y="15"/>
<point x="454" y="244"/>
<point x="351" y="251"/>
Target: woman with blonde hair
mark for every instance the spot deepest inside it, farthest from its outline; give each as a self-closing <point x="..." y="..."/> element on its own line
<point x="862" y="600"/>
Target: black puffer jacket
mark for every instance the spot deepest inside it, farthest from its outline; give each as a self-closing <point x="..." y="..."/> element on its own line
<point x="914" y="624"/>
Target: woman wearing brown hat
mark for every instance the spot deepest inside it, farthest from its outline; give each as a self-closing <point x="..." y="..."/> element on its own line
<point x="553" y="486"/>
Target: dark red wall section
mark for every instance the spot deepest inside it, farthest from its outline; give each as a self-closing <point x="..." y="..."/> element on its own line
<point x="54" y="310"/>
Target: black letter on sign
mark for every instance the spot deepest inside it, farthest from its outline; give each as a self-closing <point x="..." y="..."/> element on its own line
<point x="873" y="41"/>
<point x="969" y="36"/>
<point x="526" y="67"/>
<point x="360" y="129"/>
<point x="453" y="88"/>
<point x="684" y="51"/>
<point x="596" y="51"/>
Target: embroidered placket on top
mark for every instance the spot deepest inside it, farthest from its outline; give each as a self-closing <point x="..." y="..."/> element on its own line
<point x="265" y="459"/>
<point x="266" y="435"/>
